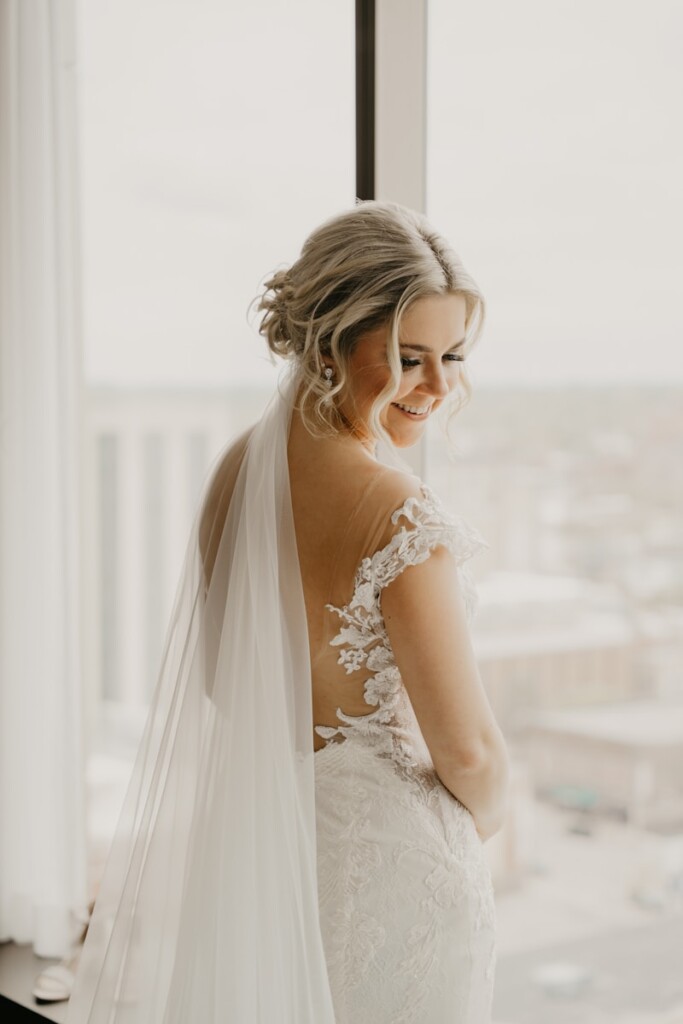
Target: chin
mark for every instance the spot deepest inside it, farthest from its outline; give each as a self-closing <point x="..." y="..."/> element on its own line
<point x="405" y="438"/>
<point x="403" y="432"/>
<point x="400" y="441"/>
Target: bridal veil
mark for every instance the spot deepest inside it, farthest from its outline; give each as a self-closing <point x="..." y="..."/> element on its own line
<point x="208" y="906"/>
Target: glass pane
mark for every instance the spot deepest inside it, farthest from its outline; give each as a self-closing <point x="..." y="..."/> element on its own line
<point x="213" y="136"/>
<point x="555" y="157"/>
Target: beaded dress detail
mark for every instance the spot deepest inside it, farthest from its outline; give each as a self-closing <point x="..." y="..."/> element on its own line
<point x="406" y="897"/>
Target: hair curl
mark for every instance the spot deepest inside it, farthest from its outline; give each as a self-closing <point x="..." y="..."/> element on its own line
<point x="359" y="271"/>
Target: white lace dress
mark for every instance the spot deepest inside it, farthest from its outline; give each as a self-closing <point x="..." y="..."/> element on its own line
<point x="406" y="899"/>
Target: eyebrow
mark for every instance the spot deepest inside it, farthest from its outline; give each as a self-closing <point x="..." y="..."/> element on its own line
<point x="425" y="348"/>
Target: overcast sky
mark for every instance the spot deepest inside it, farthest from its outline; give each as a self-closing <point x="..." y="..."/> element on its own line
<point x="216" y="135"/>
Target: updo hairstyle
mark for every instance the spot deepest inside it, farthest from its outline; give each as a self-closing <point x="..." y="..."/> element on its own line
<point x="358" y="271"/>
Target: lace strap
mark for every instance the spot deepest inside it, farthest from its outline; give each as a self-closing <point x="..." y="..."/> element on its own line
<point x="431" y="525"/>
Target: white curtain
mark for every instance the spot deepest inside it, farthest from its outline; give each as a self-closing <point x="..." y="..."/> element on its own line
<point x="42" y="835"/>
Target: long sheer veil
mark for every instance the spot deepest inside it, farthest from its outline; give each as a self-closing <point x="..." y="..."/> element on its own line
<point x="207" y="909"/>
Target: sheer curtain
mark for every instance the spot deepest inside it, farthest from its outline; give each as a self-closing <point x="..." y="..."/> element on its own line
<point x="42" y="834"/>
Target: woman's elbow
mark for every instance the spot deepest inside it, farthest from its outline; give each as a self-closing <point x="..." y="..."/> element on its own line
<point x="498" y="769"/>
<point x="478" y="756"/>
<point x="479" y="778"/>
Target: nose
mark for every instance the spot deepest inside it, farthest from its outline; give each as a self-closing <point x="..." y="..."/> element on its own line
<point x="437" y="382"/>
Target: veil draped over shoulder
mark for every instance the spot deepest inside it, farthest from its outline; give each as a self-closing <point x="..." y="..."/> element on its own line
<point x="207" y="910"/>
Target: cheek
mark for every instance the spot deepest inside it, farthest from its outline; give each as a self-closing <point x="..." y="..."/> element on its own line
<point x="452" y="368"/>
<point x="366" y="383"/>
<point x="374" y="381"/>
<point x="458" y="370"/>
<point x="410" y="379"/>
<point x="413" y="380"/>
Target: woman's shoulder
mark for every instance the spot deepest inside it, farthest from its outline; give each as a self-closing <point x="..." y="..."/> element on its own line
<point x="383" y="495"/>
<point x="225" y="469"/>
<point x="217" y="496"/>
<point x="411" y="520"/>
<point x="379" y="487"/>
<point x="393" y="490"/>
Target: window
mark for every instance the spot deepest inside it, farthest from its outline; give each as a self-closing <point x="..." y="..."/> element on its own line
<point x="214" y="136"/>
<point x="554" y="159"/>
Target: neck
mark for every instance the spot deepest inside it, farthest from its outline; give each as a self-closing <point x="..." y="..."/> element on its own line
<point x="350" y="430"/>
<point x="349" y="434"/>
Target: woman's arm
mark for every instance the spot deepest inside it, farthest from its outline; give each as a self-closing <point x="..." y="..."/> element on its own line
<point x="424" y="614"/>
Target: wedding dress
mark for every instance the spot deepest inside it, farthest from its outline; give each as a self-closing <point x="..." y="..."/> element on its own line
<point x="406" y="898"/>
<point x="252" y="879"/>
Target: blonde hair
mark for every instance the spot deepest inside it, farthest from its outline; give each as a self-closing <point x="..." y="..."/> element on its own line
<point x="359" y="271"/>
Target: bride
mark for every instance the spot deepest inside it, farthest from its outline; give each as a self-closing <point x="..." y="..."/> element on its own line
<point x="302" y="837"/>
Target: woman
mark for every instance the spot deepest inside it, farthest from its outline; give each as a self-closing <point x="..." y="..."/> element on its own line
<point x="302" y="840"/>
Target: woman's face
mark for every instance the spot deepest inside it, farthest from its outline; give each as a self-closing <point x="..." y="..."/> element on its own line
<point x="431" y="340"/>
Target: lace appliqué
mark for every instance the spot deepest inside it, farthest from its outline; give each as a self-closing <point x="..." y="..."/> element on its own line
<point x="391" y="727"/>
<point x="459" y="879"/>
<point x="349" y="865"/>
<point x="406" y="896"/>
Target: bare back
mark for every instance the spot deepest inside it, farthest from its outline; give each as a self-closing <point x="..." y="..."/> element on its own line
<point x="342" y="500"/>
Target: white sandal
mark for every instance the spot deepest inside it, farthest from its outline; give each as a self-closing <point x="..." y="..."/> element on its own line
<point x="55" y="983"/>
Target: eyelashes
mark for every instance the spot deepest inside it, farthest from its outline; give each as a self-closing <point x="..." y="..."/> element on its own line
<point x="452" y="357"/>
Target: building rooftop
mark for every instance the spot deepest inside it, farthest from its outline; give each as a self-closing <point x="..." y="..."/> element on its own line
<point x="636" y="723"/>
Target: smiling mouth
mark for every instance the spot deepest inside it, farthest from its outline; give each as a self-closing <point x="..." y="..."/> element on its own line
<point x="415" y="412"/>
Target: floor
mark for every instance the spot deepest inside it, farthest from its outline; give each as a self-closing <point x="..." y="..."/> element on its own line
<point x="19" y="967"/>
